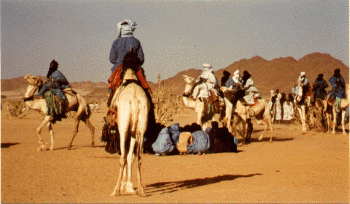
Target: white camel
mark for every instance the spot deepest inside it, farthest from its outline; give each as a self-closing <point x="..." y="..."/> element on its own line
<point x="260" y="111"/>
<point x="131" y="107"/>
<point x="301" y="103"/>
<point x="343" y="105"/>
<point x="204" y="113"/>
<point x="75" y="103"/>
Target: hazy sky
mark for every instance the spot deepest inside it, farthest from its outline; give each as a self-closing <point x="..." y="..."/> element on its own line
<point x="175" y="35"/>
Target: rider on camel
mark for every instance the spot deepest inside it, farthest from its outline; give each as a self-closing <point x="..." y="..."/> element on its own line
<point x="56" y="82"/>
<point x="302" y="78"/>
<point x="206" y="82"/>
<point x="320" y="87"/>
<point x="125" y="43"/>
<point x="338" y="89"/>
<point x="249" y="88"/>
<point x="226" y="80"/>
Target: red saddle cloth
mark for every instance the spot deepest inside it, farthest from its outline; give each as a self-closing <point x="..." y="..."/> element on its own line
<point x="115" y="80"/>
<point x="255" y="102"/>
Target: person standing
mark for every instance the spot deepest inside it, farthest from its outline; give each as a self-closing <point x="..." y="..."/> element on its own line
<point x="288" y="110"/>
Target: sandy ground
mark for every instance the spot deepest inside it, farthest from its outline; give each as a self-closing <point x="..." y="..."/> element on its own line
<point x="294" y="168"/>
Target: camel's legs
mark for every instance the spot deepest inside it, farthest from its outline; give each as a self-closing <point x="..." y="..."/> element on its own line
<point x="334" y="120"/>
<point x="266" y="122"/>
<point x="139" y="151"/>
<point x="116" y="191"/>
<point x="74" y="133"/>
<point x="38" y="130"/>
<point x="343" y="121"/>
<point x="52" y="136"/>
<point x="92" y="131"/>
<point x="123" y="127"/>
<point x="129" y="188"/>
<point x="301" y="111"/>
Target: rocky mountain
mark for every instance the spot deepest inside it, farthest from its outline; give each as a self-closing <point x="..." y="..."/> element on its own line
<point x="280" y="73"/>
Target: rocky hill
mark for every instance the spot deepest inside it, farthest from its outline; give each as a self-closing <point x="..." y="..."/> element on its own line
<point x="280" y="73"/>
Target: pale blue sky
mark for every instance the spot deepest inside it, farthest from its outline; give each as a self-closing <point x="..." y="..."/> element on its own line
<point x="175" y="35"/>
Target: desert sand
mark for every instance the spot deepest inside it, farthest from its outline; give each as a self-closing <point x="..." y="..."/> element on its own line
<point x="294" y="168"/>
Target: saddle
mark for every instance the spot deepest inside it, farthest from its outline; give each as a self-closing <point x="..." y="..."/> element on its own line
<point x="116" y="79"/>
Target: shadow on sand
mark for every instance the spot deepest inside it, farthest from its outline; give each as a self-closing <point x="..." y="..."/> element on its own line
<point x="7" y="145"/>
<point x="169" y="187"/>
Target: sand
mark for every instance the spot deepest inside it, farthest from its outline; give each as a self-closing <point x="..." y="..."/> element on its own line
<point x="294" y="168"/>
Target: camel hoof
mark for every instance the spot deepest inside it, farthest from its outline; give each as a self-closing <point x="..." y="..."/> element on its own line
<point x="51" y="148"/>
<point x="39" y="149"/>
<point x="114" y="194"/>
<point x="92" y="144"/>
<point x="260" y="138"/>
<point x="333" y="132"/>
<point x="142" y="194"/>
<point x="240" y="144"/>
<point x="271" y="139"/>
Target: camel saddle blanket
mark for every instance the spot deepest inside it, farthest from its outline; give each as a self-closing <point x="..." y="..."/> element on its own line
<point x="55" y="106"/>
<point x="115" y="80"/>
<point x="255" y="102"/>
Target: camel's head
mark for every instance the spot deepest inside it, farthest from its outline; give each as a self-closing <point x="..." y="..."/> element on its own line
<point x="34" y="81"/>
<point x="189" y="80"/>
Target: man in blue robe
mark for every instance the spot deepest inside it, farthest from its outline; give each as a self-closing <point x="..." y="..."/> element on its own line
<point x="320" y="87"/>
<point x="338" y="89"/>
<point x="56" y="83"/>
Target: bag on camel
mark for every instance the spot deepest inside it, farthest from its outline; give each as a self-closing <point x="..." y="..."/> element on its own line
<point x="164" y="144"/>
<point x="110" y="135"/>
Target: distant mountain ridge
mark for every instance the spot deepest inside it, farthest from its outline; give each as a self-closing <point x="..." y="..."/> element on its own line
<point x="279" y="73"/>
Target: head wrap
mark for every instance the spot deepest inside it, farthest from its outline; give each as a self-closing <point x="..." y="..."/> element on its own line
<point x="206" y="65"/>
<point x="126" y="27"/>
<point x="302" y="73"/>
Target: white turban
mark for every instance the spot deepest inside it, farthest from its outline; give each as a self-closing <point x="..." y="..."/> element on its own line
<point x="302" y="73"/>
<point x="131" y="26"/>
<point x="236" y="72"/>
<point x="206" y="65"/>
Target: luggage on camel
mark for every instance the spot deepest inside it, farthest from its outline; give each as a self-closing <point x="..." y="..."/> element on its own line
<point x="110" y="135"/>
<point x="116" y="79"/>
<point x="56" y="107"/>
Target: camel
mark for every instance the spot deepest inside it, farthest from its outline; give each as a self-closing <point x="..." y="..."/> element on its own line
<point x="75" y="103"/>
<point x="204" y="115"/>
<point x="131" y="107"/>
<point x="260" y="111"/>
<point x="302" y="102"/>
<point x="343" y="105"/>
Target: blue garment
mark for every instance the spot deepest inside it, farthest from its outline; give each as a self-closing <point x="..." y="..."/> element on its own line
<point x="230" y="82"/>
<point x="201" y="143"/>
<point x="164" y="143"/>
<point x="338" y="87"/>
<point x="121" y="46"/>
<point x="56" y="83"/>
<point x="321" y="86"/>
<point x="175" y="132"/>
